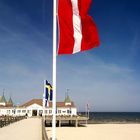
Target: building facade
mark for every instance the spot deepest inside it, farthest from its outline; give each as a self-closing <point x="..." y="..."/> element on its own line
<point x="34" y="107"/>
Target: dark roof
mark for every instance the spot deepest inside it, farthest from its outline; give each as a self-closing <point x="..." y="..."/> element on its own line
<point x="7" y="105"/>
<point x="33" y="101"/>
<point x="1" y="106"/>
<point x="67" y="99"/>
<point x="10" y="101"/>
<point x="62" y="104"/>
<point x="39" y="102"/>
<point x="2" y="99"/>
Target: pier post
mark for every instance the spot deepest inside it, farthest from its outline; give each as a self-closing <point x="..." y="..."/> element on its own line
<point x="59" y="123"/>
<point x="76" y="123"/>
<point x="69" y="122"/>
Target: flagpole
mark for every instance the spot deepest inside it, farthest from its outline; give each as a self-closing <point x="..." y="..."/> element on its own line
<point x="44" y="101"/>
<point x="54" y="71"/>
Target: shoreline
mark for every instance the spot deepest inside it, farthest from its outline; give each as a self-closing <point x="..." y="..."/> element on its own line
<point x="112" y="122"/>
<point x="112" y="117"/>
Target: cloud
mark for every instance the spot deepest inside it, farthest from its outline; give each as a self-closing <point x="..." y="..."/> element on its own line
<point x="104" y="85"/>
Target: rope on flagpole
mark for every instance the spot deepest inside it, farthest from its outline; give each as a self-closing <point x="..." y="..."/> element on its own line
<point x="54" y="71"/>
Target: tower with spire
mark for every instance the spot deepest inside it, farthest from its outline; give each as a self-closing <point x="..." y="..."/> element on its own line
<point x="67" y="100"/>
<point x="3" y="101"/>
<point x="10" y="102"/>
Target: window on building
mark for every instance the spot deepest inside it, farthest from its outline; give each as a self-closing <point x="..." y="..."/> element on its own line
<point x="23" y="111"/>
<point x="50" y="111"/>
<point x="59" y="111"/>
<point x="28" y="111"/>
<point x="18" y="111"/>
<point x="46" y="111"/>
<point x="40" y="112"/>
<point x="8" y="111"/>
<point x="68" y="111"/>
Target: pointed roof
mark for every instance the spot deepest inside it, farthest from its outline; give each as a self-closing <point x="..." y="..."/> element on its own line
<point x="10" y="101"/>
<point x="67" y="99"/>
<point x="2" y="99"/>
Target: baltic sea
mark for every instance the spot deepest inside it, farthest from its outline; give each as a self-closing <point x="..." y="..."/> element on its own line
<point x="113" y="117"/>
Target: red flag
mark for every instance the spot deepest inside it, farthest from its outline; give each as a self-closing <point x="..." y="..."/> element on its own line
<point x="77" y="30"/>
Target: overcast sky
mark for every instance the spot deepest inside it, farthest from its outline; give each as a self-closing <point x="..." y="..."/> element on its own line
<point x="106" y="77"/>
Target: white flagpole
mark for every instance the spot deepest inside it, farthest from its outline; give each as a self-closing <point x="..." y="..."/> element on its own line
<point x="54" y="71"/>
<point x="44" y="100"/>
<point x="44" y="94"/>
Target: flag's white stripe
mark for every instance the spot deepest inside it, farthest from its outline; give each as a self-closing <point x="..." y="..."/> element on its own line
<point x="77" y="26"/>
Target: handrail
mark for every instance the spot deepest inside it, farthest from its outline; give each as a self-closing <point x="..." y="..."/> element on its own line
<point x="6" y="120"/>
<point x="44" y="134"/>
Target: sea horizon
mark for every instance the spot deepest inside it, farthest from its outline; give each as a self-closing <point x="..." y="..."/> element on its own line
<point x="112" y="117"/>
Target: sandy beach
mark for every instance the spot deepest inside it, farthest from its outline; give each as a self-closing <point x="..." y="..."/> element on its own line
<point x="98" y="132"/>
<point x="27" y="129"/>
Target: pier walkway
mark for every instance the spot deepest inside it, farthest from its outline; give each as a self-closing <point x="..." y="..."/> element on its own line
<point x="27" y="129"/>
